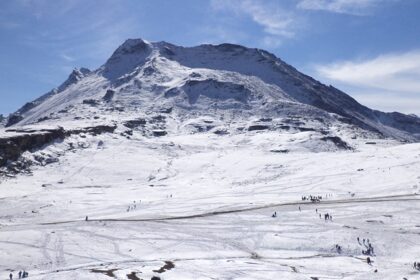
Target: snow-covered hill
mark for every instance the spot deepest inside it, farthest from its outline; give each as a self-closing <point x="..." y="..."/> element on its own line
<point x="193" y="163"/>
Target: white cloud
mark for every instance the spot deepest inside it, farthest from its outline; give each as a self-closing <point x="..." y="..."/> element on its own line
<point x="387" y="72"/>
<point x="395" y="77"/>
<point x="276" y="22"/>
<point x="67" y="57"/>
<point x="390" y="102"/>
<point x="356" y="7"/>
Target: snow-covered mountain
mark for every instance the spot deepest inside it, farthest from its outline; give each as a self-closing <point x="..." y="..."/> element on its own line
<point x="224" y="82"/>
<point x="210" y="162"/>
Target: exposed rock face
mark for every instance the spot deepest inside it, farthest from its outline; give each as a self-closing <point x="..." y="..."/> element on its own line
<point x="12" y="147"/>
<point x="13" y="119"/>
<point x="159" y="133"/>
<point x="91" y="102"/>
<point x="94" y="130"/>
<point x="109" y="95"/>
<point x="135" y="123"/>
<point x="339" y="143"/>
<point x="258" y="127"/>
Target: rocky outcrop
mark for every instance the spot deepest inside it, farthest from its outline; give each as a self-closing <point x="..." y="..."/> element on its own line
<point x="13" y="119"/>
<point x="135" y="123"/>
<point x="338" y="142"/>
<point x="94" y="130"/>
<point x="12" y="147"/>
<point x="159" y="133"/>
<point x="258" y="127"/>
<point x="109" y="95"/>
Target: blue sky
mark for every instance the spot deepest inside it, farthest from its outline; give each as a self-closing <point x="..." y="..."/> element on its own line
<point x="368" y="48"/>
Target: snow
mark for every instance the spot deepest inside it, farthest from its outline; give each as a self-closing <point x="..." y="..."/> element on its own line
<point x="204" y="202"/>
<point x="210" y="141"/>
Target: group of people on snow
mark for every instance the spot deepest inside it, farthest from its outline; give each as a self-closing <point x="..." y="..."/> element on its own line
<point x="338" y="248"/>
<point x="133" y="206"/>
<point x="21" y="274"/>
<point x="369" y="248"/>
<point x="327" y="217"/>
<point x="312" y="198"/>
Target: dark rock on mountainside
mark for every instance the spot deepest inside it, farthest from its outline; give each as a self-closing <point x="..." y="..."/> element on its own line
<point x="338" y="142"/>
<point x="12" y="147"/>
<point x="159" y="132"/>
<point x="258" y="127"/>
<point x="135" y="123"/>
<point x="13" y="119"/>
<point x="109" y="95"/>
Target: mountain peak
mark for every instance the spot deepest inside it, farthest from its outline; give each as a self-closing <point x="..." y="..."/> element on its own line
<point x="76" y="75"/>
<point x="125" y="58"/>
<point x="131" y="46"/>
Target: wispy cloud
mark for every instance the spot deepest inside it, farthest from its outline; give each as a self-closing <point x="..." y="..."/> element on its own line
<point x="387" y="72"/>
<point x="354" y="7"/>
<point x="276" y="22"/>
<point x="67" y="57"/>
<point x="394" y="75"/>
<point x="390" y="102"/>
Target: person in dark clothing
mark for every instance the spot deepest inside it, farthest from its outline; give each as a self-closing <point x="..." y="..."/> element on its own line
<point x="10" y="276"/>
<point x="20" y="274"/>
<point x="274" y="215"/>
<point x="368" y="260"/>
<point x="87" y="218"/>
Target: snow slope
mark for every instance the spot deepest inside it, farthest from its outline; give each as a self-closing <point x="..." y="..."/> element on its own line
<point x="204" y="202"/>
